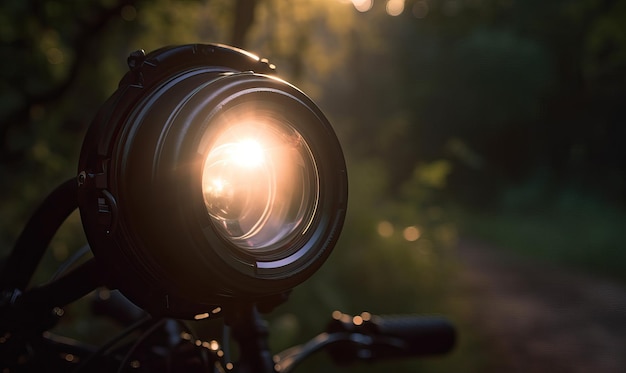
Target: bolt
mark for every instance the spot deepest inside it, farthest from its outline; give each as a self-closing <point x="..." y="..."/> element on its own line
<point x="57" y="311"/>
<point x="82" y="176"/>
<point x="136" y="59"/>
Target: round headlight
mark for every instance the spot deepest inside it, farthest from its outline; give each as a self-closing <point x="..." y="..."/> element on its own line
<point x="259" y="180"/>
<point x="206" y="181"/>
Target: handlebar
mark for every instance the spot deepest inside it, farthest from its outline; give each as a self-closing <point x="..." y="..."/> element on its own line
<point x="153" y="344"/>
<point x="384" y="337"/>
<point x="166" y="345"/>
<point x="368" y="338"/>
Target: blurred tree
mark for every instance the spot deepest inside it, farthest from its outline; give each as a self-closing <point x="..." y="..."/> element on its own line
<point x="523" y="86"/>
<point x="61" y="62"/>
<point x="46" y="47"/>
<point x="44" y="55"/>
<point x="244" y="18"/>
<point x="485" y="103"/>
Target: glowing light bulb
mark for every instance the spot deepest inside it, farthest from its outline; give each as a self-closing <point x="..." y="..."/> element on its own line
<point x="248" y="153"/>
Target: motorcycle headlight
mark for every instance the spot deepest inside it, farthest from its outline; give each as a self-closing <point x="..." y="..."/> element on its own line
<point x="205" y="180"/>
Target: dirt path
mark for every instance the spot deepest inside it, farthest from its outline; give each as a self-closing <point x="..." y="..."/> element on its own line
<point x="537" y="318"/>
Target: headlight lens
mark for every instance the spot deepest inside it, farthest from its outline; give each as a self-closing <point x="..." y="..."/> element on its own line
<point x="207" y="181"/>
<point x="259" y="180"/>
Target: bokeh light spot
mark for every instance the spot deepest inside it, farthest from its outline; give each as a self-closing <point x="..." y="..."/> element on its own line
<point x="363" y="5"/>
<point x="394" y="7"/>
<point x="420" y="9"/>
<point x="411" y="233"/>
<point x="128" y="13"/>
<point x="385" y="229"/>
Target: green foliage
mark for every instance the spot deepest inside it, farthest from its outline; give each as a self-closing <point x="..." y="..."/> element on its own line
<point x="573" y="228"/>
<point x="393" y="257"/>
<point x="512" y="111"/>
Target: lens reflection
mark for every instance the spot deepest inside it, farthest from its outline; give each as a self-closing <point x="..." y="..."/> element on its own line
<point x="259" y="182"/>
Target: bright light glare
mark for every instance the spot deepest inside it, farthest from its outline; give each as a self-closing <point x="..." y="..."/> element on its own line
<point x="214" y="186"/>
<point x="248" y="153"/>
<point x="259" y="180"/>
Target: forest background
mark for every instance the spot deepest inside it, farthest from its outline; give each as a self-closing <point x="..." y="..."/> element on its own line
<point x="500" y="120"/>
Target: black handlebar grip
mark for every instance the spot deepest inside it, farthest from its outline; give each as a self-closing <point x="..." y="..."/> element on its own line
<point x="421" y="335"/>
<point x="385" y="337"/>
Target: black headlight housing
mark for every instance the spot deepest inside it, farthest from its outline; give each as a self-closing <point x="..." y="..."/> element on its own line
<point x="207" y="181"/>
